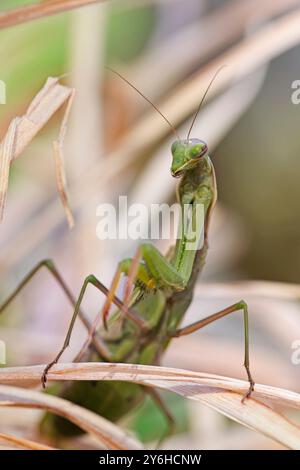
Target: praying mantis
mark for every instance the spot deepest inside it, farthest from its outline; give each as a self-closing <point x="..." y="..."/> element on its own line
<point x="157" y="294"/>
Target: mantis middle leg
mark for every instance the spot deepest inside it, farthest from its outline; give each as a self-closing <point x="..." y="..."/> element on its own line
<point x="97" y="342"/>
<point x="91" y="279"/>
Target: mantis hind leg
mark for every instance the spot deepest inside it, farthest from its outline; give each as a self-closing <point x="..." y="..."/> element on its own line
<point x="216" y="316"/>
<point x="51" y="268"/>
<point x="49" y="265"/>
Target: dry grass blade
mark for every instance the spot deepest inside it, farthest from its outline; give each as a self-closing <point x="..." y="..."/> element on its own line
<point x="59" y="162"/>
<point x="220" y="393"/>
<point x="61" y="181"/>
<point x="23" y="443"/>
<point x="6" y="155"/>
<point x="35" y="11"/>
<point x="22" y="130"/>
<point x="106" y="432"/>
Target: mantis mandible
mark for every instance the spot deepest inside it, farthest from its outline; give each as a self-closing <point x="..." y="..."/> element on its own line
<point x="157" y="293"/>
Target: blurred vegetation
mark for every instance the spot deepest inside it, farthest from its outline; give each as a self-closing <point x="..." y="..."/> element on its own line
<point x="257" y="163"/>
<point x="41" y="49"/>
<point x="258" y="167"/>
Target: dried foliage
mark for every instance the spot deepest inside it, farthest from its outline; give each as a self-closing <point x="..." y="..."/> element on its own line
<point x="106" y="432"/>
<point x="220" y="393"/>
<point x="23" y="443"/>
<point x="22" y="131"/>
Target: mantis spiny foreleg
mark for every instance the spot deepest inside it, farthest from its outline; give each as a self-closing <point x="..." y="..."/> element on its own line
<point x="156" y="271"/>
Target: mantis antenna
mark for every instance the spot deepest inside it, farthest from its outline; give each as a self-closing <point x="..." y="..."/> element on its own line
<point x="203" y="98"/>
<point x="173" y="128"/>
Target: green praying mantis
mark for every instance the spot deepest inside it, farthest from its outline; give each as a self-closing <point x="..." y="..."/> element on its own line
<point x="158" y="291"/>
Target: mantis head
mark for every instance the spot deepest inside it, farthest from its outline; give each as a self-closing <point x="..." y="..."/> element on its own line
<point x="186" y="155"/>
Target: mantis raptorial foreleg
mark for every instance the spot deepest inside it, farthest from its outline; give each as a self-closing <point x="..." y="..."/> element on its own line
<point x="156" y="271"/>
<point x="216" y="316"/>
<point x="124" y="267"/>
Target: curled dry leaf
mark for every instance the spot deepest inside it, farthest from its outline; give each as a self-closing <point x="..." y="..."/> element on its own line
<point x="220" y="393"/>
<point x="106" y="432"/>
<point x="59" y="162"/>
<point x="23" y="443"/>
<point x="22" y="130"/>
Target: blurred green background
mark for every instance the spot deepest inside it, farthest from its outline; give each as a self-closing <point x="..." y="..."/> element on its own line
<point x="257" y="163"/>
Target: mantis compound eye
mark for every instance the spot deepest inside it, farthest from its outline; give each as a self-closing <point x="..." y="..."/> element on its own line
<point x="196" y="148"/>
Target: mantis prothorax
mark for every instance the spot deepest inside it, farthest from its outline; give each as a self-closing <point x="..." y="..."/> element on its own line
<point x="158" y="291"/>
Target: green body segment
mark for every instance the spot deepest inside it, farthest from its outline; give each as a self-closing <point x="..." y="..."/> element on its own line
<point x="162" y="294"/>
